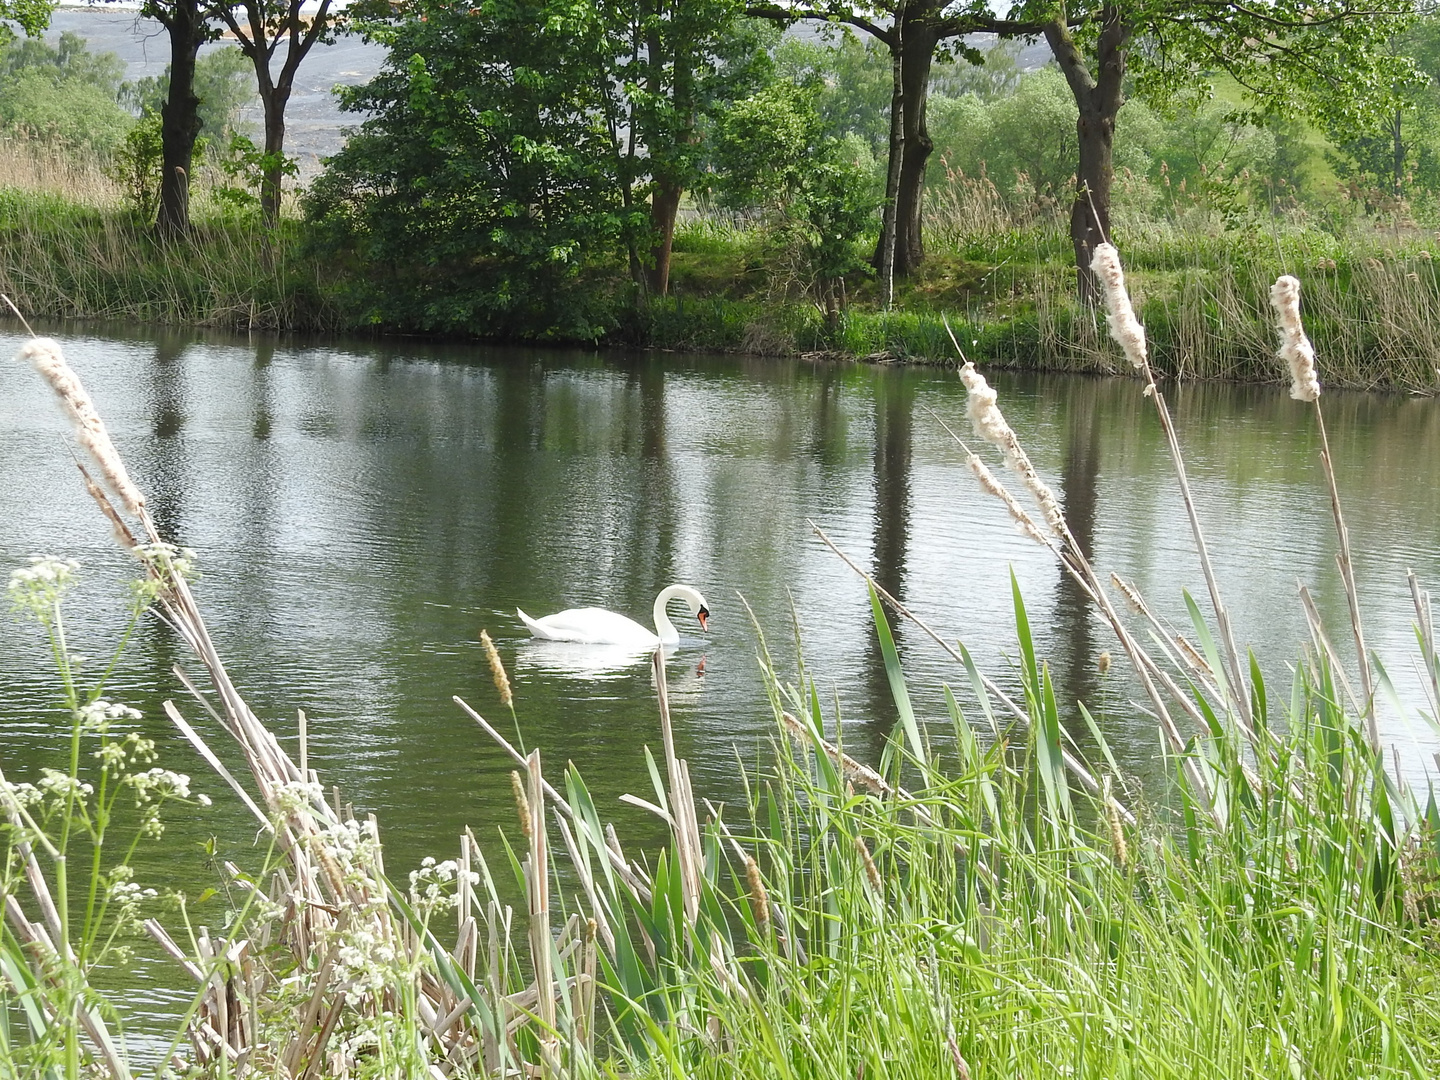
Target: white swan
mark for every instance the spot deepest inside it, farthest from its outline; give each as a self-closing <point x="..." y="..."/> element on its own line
<point x="596" y="626"/>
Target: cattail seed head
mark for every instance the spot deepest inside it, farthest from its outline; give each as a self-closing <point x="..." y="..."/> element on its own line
<point x="1125" y="328"/>
<point x="497" y="670"/>
<point x="1295" y="347"/>
<point x="45" y="356"/>
<point x="1023" y="521"/>
<point x="1132" y="598"/>
<point x="759" y="898"/>
<point x="1102" y="663"/>
<point x="989" y="424"/>
<point x="1117" y="827"/>
<point x="871" y="871"/>
<point x="522" y="802"/>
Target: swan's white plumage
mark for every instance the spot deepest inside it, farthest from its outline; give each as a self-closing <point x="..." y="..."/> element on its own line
<point x="596" y="626"/>
<point x="591" y="625"/>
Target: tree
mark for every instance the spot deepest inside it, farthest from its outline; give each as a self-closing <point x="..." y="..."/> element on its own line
<point x="680" y="62"/>
<point x="1328" y="57"/>
<point x="64" y="91"/>
<point x="1398" y="153"/>
<point x="188" y="26"/>
<point x="488" y="175"/>
<point x="914" y="32"/>
<point x="771" y="151"/>
<point x="268" y="24"/>
<point x="31" y="17"/>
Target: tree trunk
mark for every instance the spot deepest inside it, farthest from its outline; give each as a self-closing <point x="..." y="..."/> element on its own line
<point x="1098" y="99"/>
<point x="919" y="41"/>
<point x="1399" y="155"/>
<point x="179" y="120"/>
<point x="912" y="52"/>
<point x="885" y="245"/>
<point x="664" y="205"/>
<point x="274" y="100"/>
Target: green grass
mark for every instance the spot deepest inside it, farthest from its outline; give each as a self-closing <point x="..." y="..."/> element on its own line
<point x="1200" y="281"/>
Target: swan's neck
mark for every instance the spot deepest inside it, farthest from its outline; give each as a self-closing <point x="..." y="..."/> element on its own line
<point x="664" y="628"/>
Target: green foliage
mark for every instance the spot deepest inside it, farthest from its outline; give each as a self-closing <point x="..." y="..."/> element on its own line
<point x="223" y="79"/>
<point x="246" y="166"/>
<point x="63" y="93"/>
<point x="487" y="181"/>
<point x="135" y="165"/>
<point x="29" y="16"/>
<point x="771" y="151"/>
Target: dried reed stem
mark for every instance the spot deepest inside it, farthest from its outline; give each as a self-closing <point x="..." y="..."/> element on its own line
<point x="45" y="356"/>
<point x="1299" y="354"/>
<point x="1126" y="329"/>
<point x="541" y="943"/>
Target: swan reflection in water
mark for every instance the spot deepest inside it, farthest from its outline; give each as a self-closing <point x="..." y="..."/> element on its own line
<point x="602" y="663"/>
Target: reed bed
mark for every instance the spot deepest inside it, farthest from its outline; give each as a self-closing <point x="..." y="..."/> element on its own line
<point x="1005" y="908"/>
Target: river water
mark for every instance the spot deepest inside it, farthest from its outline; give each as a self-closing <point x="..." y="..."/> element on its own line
<point x="362" y="510"/>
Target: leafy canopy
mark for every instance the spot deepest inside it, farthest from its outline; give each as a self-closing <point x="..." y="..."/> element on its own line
<point x="485" y="181"/>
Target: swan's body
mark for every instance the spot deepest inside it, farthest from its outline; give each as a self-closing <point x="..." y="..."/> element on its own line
<point x="596" y="626"/>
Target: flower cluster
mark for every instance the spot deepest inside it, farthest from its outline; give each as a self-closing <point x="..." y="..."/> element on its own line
<point x="166" y="563"/>
<point x="36" y="588"/>
<point x="295" y="797"/>
<point x="158" y="784"/>
<point x="115" y="754"/>
<point x="429" y="886"/>
<point x="97" y="715"/>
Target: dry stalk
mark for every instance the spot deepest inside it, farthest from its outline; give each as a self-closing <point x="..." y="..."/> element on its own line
<point x="1125" y="328"/>
<point x="1299" y="355"/>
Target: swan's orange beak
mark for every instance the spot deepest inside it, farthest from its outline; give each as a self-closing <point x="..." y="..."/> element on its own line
<point x="704" y="616"/>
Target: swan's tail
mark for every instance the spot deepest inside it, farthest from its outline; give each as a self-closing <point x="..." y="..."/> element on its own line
<point x="536" y="630"/>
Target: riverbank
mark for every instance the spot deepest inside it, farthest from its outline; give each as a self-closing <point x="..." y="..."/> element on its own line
<point x="1372" y="296"/>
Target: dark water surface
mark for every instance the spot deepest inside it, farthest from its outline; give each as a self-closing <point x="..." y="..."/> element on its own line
<point x="362" y="511"/>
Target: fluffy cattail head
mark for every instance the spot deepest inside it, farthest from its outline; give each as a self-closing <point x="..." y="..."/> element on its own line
<point x="45" y="356"/>
<point x="497" y="670"/>
<point x="1023" y="521"/>
<point x="1102" y="663"/>
<point x="989" y="424"/>
<point x="985" y="416"/>
<point x="1125" y="328"/>
<point x="1117" y="827"/>
<point x="1295" y="347"/>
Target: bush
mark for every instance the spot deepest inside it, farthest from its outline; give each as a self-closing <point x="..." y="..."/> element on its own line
<point x="63" y="92"/>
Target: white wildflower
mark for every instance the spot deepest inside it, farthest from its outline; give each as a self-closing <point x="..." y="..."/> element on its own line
<point x="38" y="586"/>
<point x="429" y="886"/>
<point x="295" y="796"/>
<point x="97" y="715"/>
<point x="25" y="794"/>
<point x="158" y="783"/>
<point x="58" y="785"/>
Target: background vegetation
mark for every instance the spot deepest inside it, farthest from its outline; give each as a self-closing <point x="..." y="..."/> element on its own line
<point x="523" y="199"/>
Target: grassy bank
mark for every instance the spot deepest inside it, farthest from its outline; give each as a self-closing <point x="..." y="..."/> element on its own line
<point x="70" y="248"/>
<point x="1002" y="908"/>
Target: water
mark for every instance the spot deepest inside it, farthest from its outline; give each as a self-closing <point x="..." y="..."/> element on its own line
<point x="363" y="510"/>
